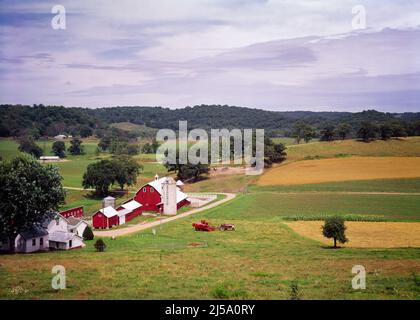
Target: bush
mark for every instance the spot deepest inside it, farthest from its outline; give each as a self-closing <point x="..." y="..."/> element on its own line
<point x="294" y="291"/>
<point x="88" y="234"/>
<point x="100" y="245"/>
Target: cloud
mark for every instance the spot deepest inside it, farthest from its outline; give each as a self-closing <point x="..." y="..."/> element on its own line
<point x="271" y="54"/>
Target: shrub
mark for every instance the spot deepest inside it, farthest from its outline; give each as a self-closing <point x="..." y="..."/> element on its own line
<point x="100" y="245"/>
<point x="88" y="234"/>
<point x="294" y="291"/>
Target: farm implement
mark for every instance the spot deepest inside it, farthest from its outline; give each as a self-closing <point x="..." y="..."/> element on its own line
<point x="204" y="225"/>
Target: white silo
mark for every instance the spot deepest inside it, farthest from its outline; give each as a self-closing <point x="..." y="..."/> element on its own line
<point x="108" y="201"/>
<point x="169" y="196"/>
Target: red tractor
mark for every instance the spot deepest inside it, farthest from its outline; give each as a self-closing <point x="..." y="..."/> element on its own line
<point x="203" y="225"/>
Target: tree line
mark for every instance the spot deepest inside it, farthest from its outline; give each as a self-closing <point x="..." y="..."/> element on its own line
<point x="47" y="121"/>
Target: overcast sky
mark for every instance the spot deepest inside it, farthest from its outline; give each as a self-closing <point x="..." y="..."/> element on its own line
<point x="277" y="55"/>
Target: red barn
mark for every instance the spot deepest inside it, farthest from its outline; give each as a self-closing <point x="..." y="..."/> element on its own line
<point x="150" y="196"/>
<point x="105" y="218"/>
<point x="73" y="212"/>
<point x="128" y="211"/>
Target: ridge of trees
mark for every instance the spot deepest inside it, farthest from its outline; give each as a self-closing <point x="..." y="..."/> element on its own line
<point x="40" y="120"/>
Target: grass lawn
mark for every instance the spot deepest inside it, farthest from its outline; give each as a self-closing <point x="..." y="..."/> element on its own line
<point x="258" y="261"/>
<point x="377" y="185"/>
<point x="275" y="205"/>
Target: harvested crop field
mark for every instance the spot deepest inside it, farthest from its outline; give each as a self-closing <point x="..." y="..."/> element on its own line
<point x="342" y="169"/>
<point x="366" y="234"/>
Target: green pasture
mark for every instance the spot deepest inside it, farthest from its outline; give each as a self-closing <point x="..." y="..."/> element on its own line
<point x="258" y="261"/>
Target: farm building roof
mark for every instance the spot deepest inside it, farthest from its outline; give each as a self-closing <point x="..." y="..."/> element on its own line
<point x="61" y="236"/>
<point x="74" y="221"/>
<point x="34" y="232"/>
<point x="157" y="185"/>
<point x="123" y="212"/>
<point x="131" y="205"/>
<point x="109" y="212"/>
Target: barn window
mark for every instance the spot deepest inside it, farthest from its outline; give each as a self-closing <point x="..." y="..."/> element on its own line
<point x="33" y="242"/>
<point x="151" y="189"/>
<point x="144" y="189"/>
<point x="70" y="243"/>
<point x="41" y="241"/>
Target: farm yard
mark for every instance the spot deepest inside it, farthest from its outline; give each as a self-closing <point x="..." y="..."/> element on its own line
<point x="277" y="239"/>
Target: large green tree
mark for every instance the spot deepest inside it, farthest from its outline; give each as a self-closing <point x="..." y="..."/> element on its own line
<point x="29" y="193"/>
<point x="367" y="131"/>
<point x="122" y="170"/>
<point x="59" y="149"/>
<point x="126" y="170"/>
<point x="334" y="228"/>
<point x="28" y="145"/>
<point x="76" y="147"/>
<point x="343" y="130"/>
<point x="100" y="176"/>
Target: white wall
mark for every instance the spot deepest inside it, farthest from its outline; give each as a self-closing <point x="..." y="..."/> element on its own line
<point x="27" y="246"/>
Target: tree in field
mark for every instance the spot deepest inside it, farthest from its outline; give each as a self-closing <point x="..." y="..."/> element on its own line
<point x="398" y="129"/>
<point x="29" y="193"/>
<point x="343" y="130"/>
<point x="150" y="148"/>
<point x="327" y="133"/>
<point x="367" y="131"/>
<point x="28" y="145"/>
<point x="273" y="153"/>
<point x="100" y="176"/>
<point x="301" y="130"/>
<point x="126" y="171"/>
<point x="132" y="149"/>
<point x="334" y="228"/>
<point x="192" y="171"/>
<point x="308" y="133"/>
<point x="85" y="131"/>
<point x="76" y="147"/>
<point x="104" y="143"/>
<point x="88" y="233"/>
<point x="385" y="131"/>
<point x="59" y="149"/>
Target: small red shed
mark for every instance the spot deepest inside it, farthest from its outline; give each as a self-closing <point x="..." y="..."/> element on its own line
<point x="105" y="218"/>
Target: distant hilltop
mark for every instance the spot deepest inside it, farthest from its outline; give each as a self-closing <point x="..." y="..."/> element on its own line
<point x="17" y="120"/>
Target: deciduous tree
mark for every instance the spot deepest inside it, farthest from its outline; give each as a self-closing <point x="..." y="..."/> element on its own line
<point x="29" y="193"/>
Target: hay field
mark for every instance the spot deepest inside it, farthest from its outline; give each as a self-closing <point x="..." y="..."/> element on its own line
<point x="366" y="234"/>
<point x="404" y="147"/>
<point x="342" y="169"/>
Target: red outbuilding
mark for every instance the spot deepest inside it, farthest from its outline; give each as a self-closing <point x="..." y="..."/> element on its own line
<point x="105" y="218"/>
<point x="73" y="212"/>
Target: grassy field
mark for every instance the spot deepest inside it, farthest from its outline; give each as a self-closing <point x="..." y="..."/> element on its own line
<point x="377" y="185"/>
<point x="407" y="147"/>
<point x="258" y="261"/>
<point x="366" y="234"/>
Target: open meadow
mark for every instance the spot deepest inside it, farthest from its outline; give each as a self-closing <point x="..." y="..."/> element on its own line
<point x="277" y="240"/>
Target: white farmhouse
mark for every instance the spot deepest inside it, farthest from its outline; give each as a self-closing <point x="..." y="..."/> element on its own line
<point x="60" y="234"/>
